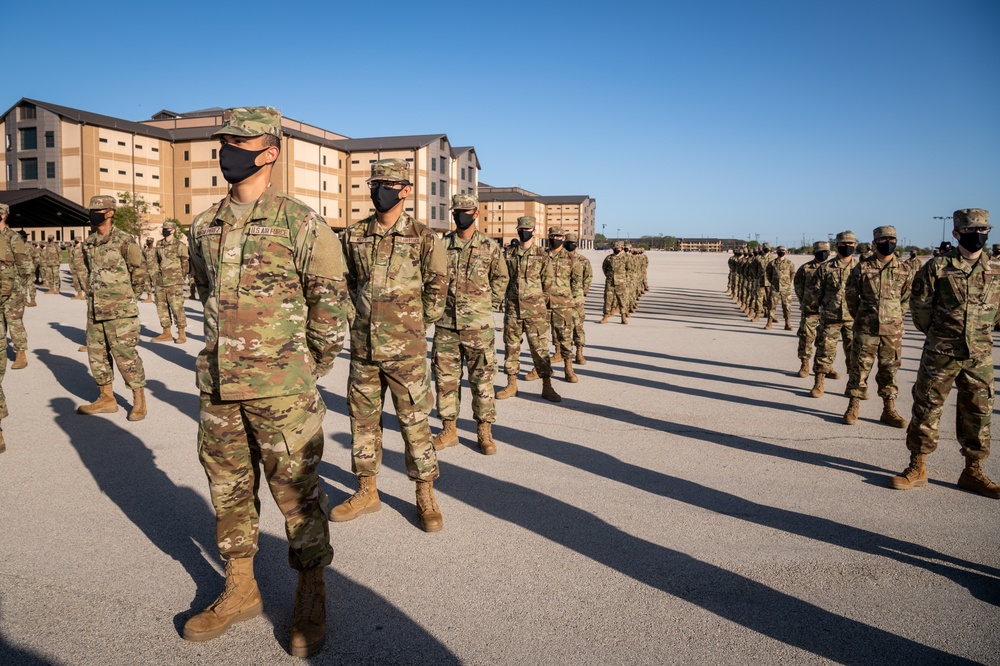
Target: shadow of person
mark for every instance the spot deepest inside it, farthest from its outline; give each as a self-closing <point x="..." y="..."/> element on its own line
<point x="73" y="376"/>
<point x="74" y="334"/>
<point x="168" y="351"/>
<point x="12" y="655"/>
<point x="184" y="401"/>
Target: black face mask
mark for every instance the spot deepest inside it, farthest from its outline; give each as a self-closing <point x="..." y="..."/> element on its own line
<point x="570" y="246"/>
<point x="885" y="247"/>
<point x="525" y="234"/>
<point x="463" y="220"/>
<point x="781" y="254"/>
<point x="96" y="218"/>
<point x="973" y="241"/>
<point x="384" y="198"/>
<point x="166" y="233"/>
<point x="238" y="164"/>
<point x="822" y="255"/>
<point x="845" y="250"/>
<point x="555" y="244"/>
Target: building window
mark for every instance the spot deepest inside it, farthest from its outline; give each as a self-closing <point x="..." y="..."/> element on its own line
<point x="50" y="139"/>
<point x="103" y="170"/>
<point x="434" y="165"/>
<point x="29" y="138"/>
<point x="433" y="211"/>
<point x="102" y="140"/>
<point x="155" y="150"/>
<point x="10" y="172"/>
<point x="324" y="160"/>
<point x="324" y="208"/>
<point x="444" y="166"/>
<point x="443" y="216"/>
<point x="187" y="156"/>
<point x="28" y="111"/>
<point x="355" y="210"/>
<point x="442" y="144"/>
<point x="187" y="209"/>
<point x="155" y="177"/>
<point x="443" y="192"/>
<point x="121" y="173"/>
<point x="8" y="142"/>
<point x="340" y="212"/>
<point x="187" y="182"/>
<point x="340" y="164"/>
<point x="121" y="143"/>
<point x="215" y="181"/>
<point x="324" y="186"/>
<point x="434" y="189"/>
<point x="355" y="162"/>
<point x="138" y="147"/>
<point x="138" y="175"/>
<point x="409" y="159"/>
<point x="340" y="188"/>
<point x="354" y="187"/>
<point x="215" y="153"/>
<point x="29" y="169"/>
<point x="463" y="173"/>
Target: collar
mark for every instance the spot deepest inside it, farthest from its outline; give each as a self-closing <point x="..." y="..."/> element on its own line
<point x="402" y="227"/>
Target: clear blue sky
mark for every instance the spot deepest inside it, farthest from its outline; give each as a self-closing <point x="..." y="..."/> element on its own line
<point x="717" y="118"/>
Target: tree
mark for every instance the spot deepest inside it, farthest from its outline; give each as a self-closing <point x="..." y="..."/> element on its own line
<point x="600" y="238"/>
<point x="130" y="212"/>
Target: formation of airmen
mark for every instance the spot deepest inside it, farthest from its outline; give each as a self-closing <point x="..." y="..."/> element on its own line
<point x="953" y="299"/>
<point x="625" y="280"/>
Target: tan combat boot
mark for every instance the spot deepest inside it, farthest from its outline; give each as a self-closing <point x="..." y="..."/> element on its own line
<point x="20" y="360"/>
<point x="804" y="368"/>
<point x="788" y="323"/>
<point x="510" y="391"/>
<point x="756" y="317"/>
<point x="148" y="299"/>
<point x="580" y="360"/>
<point x="309" y="619"/>
<point x="913" y="476"/>
<point x="430" y="515"/>
<point x="570" y="375"/>
<point x="817" y="389"/>
<point x="105" y="403"/>
<point x="138" y="412"/>
<point x="531" y="376"/>
<point x="81" y="348"/>
<point x="557" y="357"/>
<point x="604" y="319"/>
<point x="889" y="414"/>
<point x="181" y="337"/>
<point x="548" y="392"/>
<point x="238" y="602"/>
<point x="851" y="415"/>
<point x="32" y="303"/>
<point x="447" y="437"/>
<point x="767" y="326"/>
<point x="484" y="433"/>
<point x="163" y="337"/>
<point x="624" y="318"/>
<point x="974" y="479"/>
<point x="365" y="500"/>
<point x="832" y="374"/>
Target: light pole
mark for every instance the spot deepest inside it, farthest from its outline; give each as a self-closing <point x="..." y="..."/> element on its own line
<point x="942" y="218"/>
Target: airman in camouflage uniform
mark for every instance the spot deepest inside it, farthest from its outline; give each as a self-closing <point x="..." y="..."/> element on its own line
<point x="171" y="272"/>
<point x="398" y="276"/>
<point x="955" y="302"/>
<point x="643" y="271"/>
<point x="526" y="310"/>
<point x="78" y="270"/>
<point x="477" y="282"/>
<point x="587" y="271"/>
<point x="878" y="294"/>
<point x="114" y="273"/>
<point x="12" y="311"/>
<point x="565" y="292"/>
<point x="615" y="269"/>
<point x="51" y="257"/>
<point x="149" y="261"/>
<point x="807" y="291"/>
<point x="913" y="262"/>
<point x="835" y="319"/>
<point x="731" y="280"/>
<point x="271" y="273"/>
<point x="762" y="285"/>
<point x="780" y="273"/>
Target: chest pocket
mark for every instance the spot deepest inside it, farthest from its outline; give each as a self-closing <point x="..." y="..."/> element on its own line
<point x="267" y="257"/>
<point x="404" y="261"/>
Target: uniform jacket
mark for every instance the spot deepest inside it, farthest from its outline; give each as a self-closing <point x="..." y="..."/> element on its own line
<point x="780" y="274"/>
<point x="171" y="261"/>
<point x="878" y="295"/>
<point x="477" y="282"/>
<point x="587" y="270"/>
<point x="275" y="296"/>
<point x="114" y="275"/>
<point x="616" y="270"/>
<point x="806" y="286"/>
<point x="831" y="283"/>
<point x="51" y="255"/>
<point x="566" y="288"/>
<point x="530" y="281"/>
<point x="15" y="262"/>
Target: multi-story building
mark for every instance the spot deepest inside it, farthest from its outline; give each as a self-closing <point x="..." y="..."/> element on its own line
<point x="499" y="208"/>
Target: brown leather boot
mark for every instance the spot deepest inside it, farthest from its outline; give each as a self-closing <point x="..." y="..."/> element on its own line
<point x="817" y="389"/>
<point x="557" y="357"/>
<point x="889" y="414"/>
<point x="181" y="337"/>
<point x="604" y="319"/>
<point x="20" y="360"/>
<point x="163" y="337"/>
<point x="570" y="375"/>
<point x="756" y="316"/>
<point x="531" y="376"/>
<point x="974" y="479"/>
<point x="548" y="392"/>
<point x="81" y="348"/>
<point x="851" y="415"/>
<point x="430" y="514"/>
<point x="511" y="389"/>
<point x="32" y="303"/>
<point x="447" y="437"/>
<point x="484" y="433"/>
<point x="788" y="323"/>
<point x="138" y="412"/>
<point x="365" y="500"/>
<point x="832" y="374"/>
<point x="804" y="368"/>
<point x="580" y="360"/>
<point x="238" y="602"/>
<point x="914" y="476"/>
<point x="105" y="403"/>
<point x="309" y="619"/>
<point x="624" y="318"/>
<point x="767" y="326"/>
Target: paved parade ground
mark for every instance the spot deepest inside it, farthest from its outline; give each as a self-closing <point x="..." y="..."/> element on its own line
<point x="686" y="502"/>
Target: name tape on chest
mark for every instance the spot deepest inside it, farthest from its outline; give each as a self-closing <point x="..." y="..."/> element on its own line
<point x="267" y="231"/>
<point x="209" y="231"/>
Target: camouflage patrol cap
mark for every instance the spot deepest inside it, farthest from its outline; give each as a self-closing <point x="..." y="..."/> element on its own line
<point x="820" y="246"/>
<point x="847" y="237"/>
<point x="526" y="222"/>
<point x="464" y="202"/>
<point x="971" y="217"/>
<point x="782" y="248"/>
<point x="250" y="121"/>
<point x="169" y="224"/>
<point x="884" y="232"/>
<point x="765" y="246"/>
<point x="102" y="202"/>
<point x="4" y="209"/>
<point x="556" y="231"/>
<point x="619" y="245"/>
<point x="392" y="170"/>
<point x="572" y="237"/>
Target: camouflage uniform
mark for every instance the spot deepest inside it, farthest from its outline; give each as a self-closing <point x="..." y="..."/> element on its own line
<point x="615" y="269"/>
<point x="525" y="308"/>
<point x="78" y="268"/>
<point x="780" y="273"/>
<point x="271" y="277"/>
<point x="835" y="319"/>
<point x="114" y="272"/>
<point x="807" y="291"/>
<point x="30" y="285"/>
<point x="50" y="258"/>
<point x="477" y="281"/>
<point x="12" y="312"/>
<point x="149" y="261"/>
<point x="14" y="270"/>
<point x="564" y="293"/>
<point x="171" y="271"/>
<point x="587" y="272"/>
<point x="914" y="264"/>
<point x="762" y="285"/>
<point x="398" y="278"/>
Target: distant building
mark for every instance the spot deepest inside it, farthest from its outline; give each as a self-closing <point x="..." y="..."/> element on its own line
<point x="499" y="208"/>
<point x="708" y="244"/>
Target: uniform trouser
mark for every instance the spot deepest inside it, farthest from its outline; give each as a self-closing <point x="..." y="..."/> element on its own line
<point x="826" y="344"/>
<point x="408" y="382"/>
<point x="31" y="284"/>
<point x="50" y="274"/>
<point x="477" y="348"/>
<point x="865" y="349"/>
<point x="579" y="335"/>
<point x="757" y="294"/>
<point x="285" y="436"/>
<point x="117" y="339"/>
<point x="79" y="281"/>
<point x="3" y="368"/>
<point x="563" y="321"/>
<point x="615" y="298"/>
<point x="170" y="303"/>
<point x="785" y="298"/>
<point x="807" y="333"/>
<point x="537" y="332"/>
<point x="974" y="379"/>
<point x="13" y="317"/>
